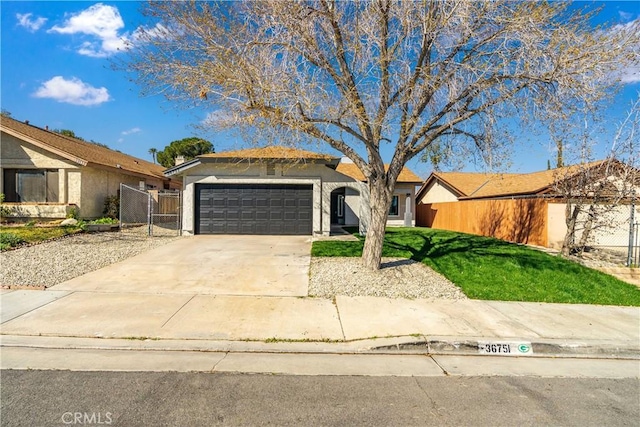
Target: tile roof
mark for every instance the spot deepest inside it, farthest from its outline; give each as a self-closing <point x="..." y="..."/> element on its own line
<point x="351" y="170"/>
<point x="462" y="182"/>
<point x="81" y="152"/>
<point x="270" y="152"/>
<point x="485" y="185"/>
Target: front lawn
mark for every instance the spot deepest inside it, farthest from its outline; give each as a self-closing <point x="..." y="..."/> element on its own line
<point x="491" y="269"/>
<point x="15" y="236"/>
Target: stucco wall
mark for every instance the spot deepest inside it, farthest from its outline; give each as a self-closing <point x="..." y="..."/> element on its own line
<point x="317" y="175"/>
<point x="401" y="191"/>
<point x="438" y="193"/>
<point x="17" y="154"/>
<point x="611" y="230"/>
<point x="556" y="225"/>
<point x="84" y="186"/>
<point x="96" y="185"/>
<point x="324" y="181"/>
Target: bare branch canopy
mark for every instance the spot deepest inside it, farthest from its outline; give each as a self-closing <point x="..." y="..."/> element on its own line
<point x="361" y="74"/>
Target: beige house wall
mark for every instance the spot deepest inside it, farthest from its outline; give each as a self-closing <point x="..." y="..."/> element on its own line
<point x="323" y="179"/>
<point x="401" y="191"/>
<point x="83" y="186"/>
<point x="436" y="192"/>
<point x="612" y="231"/>
<point x="317" y="175"/>
<point x="556" y="225"/>
<point x="17" y="154"/>
<point x="97" y="184"/>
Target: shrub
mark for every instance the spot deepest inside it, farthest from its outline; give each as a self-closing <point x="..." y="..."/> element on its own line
<point x="9" y="240"/>
<point x="4" y="209"/>
<point x="111" y="207"/>
<point x="74" y="213"/>
<point x="105" y="220"/>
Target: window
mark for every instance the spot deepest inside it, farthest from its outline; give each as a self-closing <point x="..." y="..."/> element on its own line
<point x="31" y="185"/>
<point x="271" y="168"/>
<point x="340" y="206"/>
<point x="393" y="210"/>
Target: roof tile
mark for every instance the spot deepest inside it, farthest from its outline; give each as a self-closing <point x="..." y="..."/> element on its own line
<point x="82" y="150"/>
<point x="352" y="170"/>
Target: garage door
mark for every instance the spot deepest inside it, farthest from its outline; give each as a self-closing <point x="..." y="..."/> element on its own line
<point x="253" y="209"/>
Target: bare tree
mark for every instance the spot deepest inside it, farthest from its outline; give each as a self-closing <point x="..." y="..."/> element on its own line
<point x="360" y="75"/>
<point x="596" y="192"/>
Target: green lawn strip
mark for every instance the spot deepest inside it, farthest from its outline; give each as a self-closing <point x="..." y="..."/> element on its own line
<point x="34" y="234"/>
<point x="491" y="269"/>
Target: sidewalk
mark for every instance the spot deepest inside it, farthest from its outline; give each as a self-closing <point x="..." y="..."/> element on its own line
<point x="68" y="319"/>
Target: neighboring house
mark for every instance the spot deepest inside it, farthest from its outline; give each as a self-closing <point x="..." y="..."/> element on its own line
<point x="524" y="208"/>
<point x="279" y="190"/>
<point x="45" y="174"/>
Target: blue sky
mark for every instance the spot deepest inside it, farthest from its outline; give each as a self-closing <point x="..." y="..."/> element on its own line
<point x="56" y="71"/>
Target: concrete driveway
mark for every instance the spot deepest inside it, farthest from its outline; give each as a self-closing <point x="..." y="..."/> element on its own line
<point x="214" y="265"/>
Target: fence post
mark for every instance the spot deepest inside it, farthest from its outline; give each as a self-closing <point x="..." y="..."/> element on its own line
<point x="631" y="233"/>
<point x="120" y="208"/>
<point x="149" y="213"/>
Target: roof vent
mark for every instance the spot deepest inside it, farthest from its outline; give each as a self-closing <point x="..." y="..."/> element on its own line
<point x="26" y="122"/>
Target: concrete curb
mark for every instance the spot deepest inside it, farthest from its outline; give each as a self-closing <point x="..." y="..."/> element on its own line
<point x="462" y="346"/>
<point x="540" y="347"/>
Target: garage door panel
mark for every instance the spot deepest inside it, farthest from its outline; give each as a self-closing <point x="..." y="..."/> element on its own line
<point x="253" y="209"/>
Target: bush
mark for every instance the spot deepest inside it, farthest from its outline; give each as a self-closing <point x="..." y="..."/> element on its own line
<point x="5" y="211"/>
<point x="105" y="220"/>
<point x="111" y="207"/>
<point x="9" y="240"/>
<point x="74" y="213"/>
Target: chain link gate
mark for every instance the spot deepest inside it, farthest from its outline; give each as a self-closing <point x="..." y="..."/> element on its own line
<point x="166" y="214"/>
<point x="159" y="211"/>
<point x="613" y="232"/>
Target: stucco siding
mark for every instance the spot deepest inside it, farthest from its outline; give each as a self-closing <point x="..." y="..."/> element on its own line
<point x="436" y="192"/>
<point x="17" y="154"/>
<point x="556" y="225"/>
<point x="317" y="175"/>
<point x="96" y="185"/>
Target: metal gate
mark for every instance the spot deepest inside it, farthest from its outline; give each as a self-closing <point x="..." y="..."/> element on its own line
<point x="157" y="210"/>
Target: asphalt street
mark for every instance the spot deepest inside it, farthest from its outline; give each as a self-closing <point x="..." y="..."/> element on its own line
<point x="45" y="398"/>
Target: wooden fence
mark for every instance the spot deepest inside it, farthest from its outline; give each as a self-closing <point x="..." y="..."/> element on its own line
<point x="515" y="220"/>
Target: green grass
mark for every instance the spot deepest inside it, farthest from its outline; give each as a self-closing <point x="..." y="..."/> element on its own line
<point x="13" y="236"/>
<point x="491" y="269"/>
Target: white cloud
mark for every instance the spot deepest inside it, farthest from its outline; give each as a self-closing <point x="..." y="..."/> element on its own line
<point x="144" y="34"/>
<point x="625" y="16"/>
<point x="31" y="24"/>
<point x="101" y="22"/>
<point x="630" y="73"/>
<point x="73" y="91"/>
<point x="131" y="131"/>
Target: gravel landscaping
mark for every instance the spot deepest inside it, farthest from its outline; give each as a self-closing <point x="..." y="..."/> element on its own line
<point x="397" y="278"/>
<point x="49" y="263"/>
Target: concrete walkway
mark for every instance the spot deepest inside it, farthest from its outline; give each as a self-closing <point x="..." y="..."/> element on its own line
<point x="348" y="324"/>
<point x="249" y="294"/>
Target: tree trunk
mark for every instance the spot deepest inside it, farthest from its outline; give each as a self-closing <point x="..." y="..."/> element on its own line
<point x="380" y="202"/>
<point x="571" y="217"/>
<point x="588" y="225"/>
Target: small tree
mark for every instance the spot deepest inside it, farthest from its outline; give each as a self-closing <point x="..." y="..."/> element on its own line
<point x="189" y="148"/>
<point x="359" y="75"/>
<point x="153" y="152"/>
<point x="69" y="133"/>
<point x="594" y="190"/>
